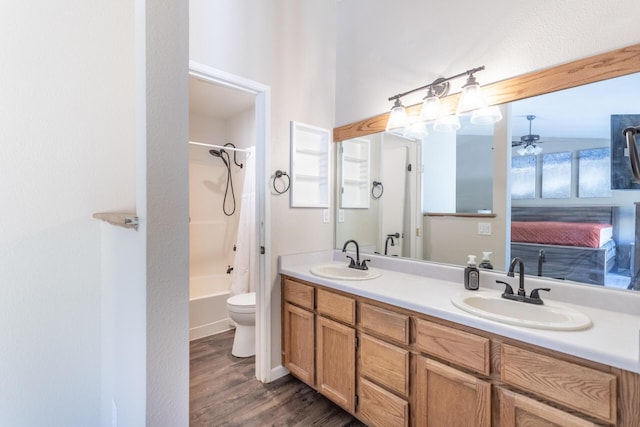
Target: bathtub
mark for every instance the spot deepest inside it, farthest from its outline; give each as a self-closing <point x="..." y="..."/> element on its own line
<point x="208" y="312"/>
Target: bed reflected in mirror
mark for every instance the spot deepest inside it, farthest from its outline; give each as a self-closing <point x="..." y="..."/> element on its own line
<point x="567" y="221"/>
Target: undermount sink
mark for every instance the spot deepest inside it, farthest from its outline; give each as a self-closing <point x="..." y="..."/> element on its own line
<point x="550" y="315"/>
<point x="343" y="272"/>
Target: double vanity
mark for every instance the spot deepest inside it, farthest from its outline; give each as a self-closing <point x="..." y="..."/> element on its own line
<point x="403" y="343"/>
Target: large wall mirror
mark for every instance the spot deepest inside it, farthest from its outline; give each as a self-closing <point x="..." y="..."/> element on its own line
<point x="481" y="187"/>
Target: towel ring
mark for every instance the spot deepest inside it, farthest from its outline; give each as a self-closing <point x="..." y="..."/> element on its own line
<point x="375" y="185"/>
<point x="280" y="174"/>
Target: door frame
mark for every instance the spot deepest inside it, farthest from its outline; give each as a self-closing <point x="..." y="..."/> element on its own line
<point x="261" y="280"/>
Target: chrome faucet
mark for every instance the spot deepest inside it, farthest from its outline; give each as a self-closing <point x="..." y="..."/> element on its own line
<point x="533" y="298"/>
<point x="355" y="263"/>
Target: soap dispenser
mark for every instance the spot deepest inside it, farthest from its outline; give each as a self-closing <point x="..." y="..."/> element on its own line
<point x="486" y="262"/>
<point x="471" y="275"/>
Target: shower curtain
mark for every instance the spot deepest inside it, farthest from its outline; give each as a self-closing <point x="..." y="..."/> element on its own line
<point x="244" y="263"/>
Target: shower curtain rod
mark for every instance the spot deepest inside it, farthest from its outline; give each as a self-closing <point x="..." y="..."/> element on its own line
<point x="222" y="147"/>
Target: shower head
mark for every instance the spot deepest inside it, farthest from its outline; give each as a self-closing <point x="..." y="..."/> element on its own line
<point x="218" y="153"/>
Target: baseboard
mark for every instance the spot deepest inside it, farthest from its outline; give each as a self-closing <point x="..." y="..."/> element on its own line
<point x="278" y="372"/>
<point x="209" y="329"/>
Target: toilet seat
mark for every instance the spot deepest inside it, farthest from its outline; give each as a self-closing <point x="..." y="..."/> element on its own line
<point x="242" y="303"/>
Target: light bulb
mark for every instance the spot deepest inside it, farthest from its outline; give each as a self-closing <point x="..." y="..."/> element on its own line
<point x="430" y="107"/>
<point x="447" y="124"/>
<point x="471" y="97"/>
<point x="416" y="130"/>
<point x="397" y="117"/>
<point x="486" y="116"/>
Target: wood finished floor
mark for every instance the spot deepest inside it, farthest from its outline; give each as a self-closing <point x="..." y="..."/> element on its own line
<point x="225" y="392"/>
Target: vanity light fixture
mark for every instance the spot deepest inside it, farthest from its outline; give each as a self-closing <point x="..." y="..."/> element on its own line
<point x="415" y="128"/>
<point x="471" y="99"/>
<point x="471" y="96"/>
<point x="447" y="124"/>
<point x="431" y="103"/>
<point x="398" y="117"/>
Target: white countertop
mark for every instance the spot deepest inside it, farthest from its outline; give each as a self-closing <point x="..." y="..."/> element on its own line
<point x="614" y="338"/>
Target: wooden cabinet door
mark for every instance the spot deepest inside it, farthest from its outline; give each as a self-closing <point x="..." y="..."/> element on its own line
<point x="298" y="346"/>
<point x="336" y="362"/>
<point x="517" y="410"/>
<point x="448" y="397"/>
<point x="381" y="408"/>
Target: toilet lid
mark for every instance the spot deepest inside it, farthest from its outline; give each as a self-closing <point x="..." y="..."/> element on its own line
<point x="245" y="300"/>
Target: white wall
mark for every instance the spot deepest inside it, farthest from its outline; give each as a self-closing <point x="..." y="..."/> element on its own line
<point x="66" y="151"/>
<point x="163" y="204"/>
<point x="289" y="46"/>
<point x="385" y="49"/>
<point x="123" y="362"/>
<point x="69" y="150"/>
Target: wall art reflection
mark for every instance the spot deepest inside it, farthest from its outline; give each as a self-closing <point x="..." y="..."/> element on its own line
<point x="594" y="172"/>
<point x="523" y="177"/>
<point x="556" y="175"/>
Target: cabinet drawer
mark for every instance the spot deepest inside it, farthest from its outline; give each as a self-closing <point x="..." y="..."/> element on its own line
<point x="584" y="389"/>
<point x="458" y="347"/>
<point x="519" y="410"/>
<point x="298" y="293"/>
<point x="384" y="363"/>
<point x="381" y="408"/>
<point x="385" y="323"/>
<point x="337" y="307"/>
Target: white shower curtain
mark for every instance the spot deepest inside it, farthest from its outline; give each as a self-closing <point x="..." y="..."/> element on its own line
<point x="244" y="263"/>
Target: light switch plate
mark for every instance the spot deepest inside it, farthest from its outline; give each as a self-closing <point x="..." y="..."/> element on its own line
<point x="325" y="216"/>
<point x="340" y="215"/>
<point x="484" y="228"/>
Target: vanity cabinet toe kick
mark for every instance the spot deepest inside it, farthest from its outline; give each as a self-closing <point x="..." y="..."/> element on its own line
<point x="389" y="366"/>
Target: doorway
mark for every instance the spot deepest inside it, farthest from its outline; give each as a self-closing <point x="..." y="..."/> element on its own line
<point x="232" y="85"/>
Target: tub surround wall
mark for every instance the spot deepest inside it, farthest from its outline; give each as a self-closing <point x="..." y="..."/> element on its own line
<point x="208" y="313"/>
<point x="212" y="234"/>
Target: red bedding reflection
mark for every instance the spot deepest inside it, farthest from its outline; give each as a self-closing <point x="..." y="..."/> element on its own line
<point x="582" y="234"/>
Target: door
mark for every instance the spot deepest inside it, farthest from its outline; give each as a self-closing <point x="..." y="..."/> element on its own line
<point x="449" y="397"/>
<point x="298" y="351"/>
<point x="336" y="362"/>
<point x="394" y="171"/>
<point x="261" y="268"/>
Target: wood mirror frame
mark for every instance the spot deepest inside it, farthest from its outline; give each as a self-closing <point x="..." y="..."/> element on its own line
<point x="605" y="66"/>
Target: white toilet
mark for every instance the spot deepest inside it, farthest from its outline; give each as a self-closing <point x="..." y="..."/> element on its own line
<point x="242" y="310"/>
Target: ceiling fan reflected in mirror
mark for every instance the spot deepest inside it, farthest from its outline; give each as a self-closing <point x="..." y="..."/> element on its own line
<point x="528" y="142"/>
